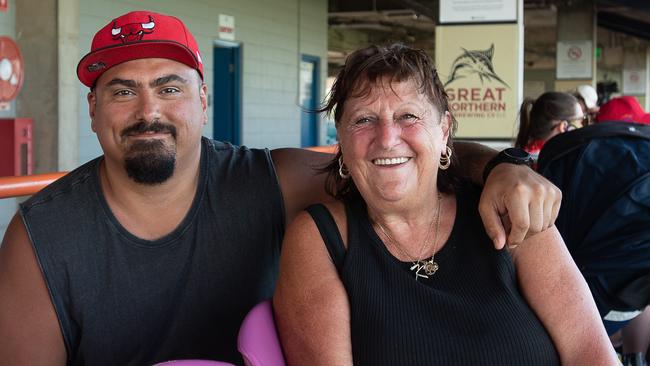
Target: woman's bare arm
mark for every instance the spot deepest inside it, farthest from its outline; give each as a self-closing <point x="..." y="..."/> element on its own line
<point x="557" y="292"/>
<point x="310" y="302"/>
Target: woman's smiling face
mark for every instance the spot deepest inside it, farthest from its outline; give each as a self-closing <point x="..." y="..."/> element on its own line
<point x="391" y="139"/>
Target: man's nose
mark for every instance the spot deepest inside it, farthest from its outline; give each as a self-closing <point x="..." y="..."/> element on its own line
<point x="148" y="107"/>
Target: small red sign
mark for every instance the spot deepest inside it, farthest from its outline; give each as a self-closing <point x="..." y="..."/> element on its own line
<point x="574" y="53"/>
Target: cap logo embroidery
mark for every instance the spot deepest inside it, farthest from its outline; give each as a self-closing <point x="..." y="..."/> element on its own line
<point x="132" y="32"/>
<point x="96" y="66"/>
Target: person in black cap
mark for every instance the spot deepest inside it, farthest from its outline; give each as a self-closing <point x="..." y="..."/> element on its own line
<point x="157" y="249"/>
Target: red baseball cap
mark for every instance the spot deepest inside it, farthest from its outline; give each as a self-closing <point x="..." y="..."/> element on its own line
<point x="135" y="35"/>
<point x="625" y="109"/>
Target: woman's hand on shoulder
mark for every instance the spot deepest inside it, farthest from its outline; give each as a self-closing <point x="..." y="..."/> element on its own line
<point x="310" y="302"/>
<point x="516" y="202"/>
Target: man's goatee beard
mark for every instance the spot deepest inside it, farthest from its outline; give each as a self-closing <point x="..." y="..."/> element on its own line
<point x="150" y="162"/>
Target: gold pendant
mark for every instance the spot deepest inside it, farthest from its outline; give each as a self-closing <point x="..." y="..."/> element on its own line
<point x="430" y="267"/>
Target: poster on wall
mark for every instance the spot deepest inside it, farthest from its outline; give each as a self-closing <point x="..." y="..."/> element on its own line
<point x="634" y="82"/>
<point x="478" y="11"/>
<point x="574" y="60"/>
<point x="478" y="66"/>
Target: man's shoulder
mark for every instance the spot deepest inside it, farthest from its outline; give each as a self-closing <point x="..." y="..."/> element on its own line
<point x="69" y="183"/>
<point x="224" y="147"/>
<point x="224" y="156"/>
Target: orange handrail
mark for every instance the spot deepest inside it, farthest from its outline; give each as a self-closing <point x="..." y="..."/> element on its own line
<point x="330" y="149"/>
<point x="27" y="184"/>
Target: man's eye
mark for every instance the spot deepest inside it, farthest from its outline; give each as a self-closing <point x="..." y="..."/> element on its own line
<point x="170" y="90"/>
<point x="362" y="120"/>
<point x="123" y="92"/>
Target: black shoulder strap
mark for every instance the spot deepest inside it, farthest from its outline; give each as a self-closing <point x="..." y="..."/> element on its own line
<point x="330" y="233"/>
<point x="564" y="143"/>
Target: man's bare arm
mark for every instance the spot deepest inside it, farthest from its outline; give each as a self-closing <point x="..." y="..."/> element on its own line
<point x="29" y="329"/>
<point x="473" y="157"/>
<point x="513" y="196"/>
<point x="300" y="179"/>
<point x="516" y="202"/>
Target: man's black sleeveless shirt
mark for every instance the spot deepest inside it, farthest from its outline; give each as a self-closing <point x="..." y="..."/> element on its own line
<point x="122" y="300"/>
<point x="470" y="312"/>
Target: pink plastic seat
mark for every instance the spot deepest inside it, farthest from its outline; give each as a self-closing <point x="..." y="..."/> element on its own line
<point x="193" y="363"/>
<point x="258" y="339"/>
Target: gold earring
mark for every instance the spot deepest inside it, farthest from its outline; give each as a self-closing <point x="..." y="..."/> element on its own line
<point x="343" y="170"/>
<point x="445" y="159"/>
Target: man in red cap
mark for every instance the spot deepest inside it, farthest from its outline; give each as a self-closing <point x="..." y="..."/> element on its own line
<point x="623" y="109"/>
<point x="157" y="249"/>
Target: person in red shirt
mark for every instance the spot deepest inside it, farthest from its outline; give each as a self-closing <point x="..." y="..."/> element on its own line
<point x="542" y="118"/>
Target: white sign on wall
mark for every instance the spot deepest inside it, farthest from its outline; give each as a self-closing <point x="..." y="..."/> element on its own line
<point x="634" y="82"/>
<point x="226" y="27"/>
<point x="574" y="60"/>
<point x="478" y="11"/>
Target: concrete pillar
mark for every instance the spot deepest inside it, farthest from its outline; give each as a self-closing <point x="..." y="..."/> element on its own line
<point x="577" y="22"/>
<point x="68" y="85"/>
<point x="37" y="36"/>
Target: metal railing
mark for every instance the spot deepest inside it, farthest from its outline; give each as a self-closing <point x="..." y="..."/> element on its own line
<point x="29" y="184"/>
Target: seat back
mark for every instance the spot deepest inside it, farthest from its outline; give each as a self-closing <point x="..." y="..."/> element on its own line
<point x="193" y="363"/>
<point x="258" y="340"/>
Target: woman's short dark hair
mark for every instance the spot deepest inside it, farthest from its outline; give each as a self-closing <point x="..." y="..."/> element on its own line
<point x="536" y="116"/>
<point x="365" y="69"/>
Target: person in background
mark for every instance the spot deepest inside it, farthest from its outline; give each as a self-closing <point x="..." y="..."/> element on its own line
<point x="623" y="109"/>
<point x="397" y="270"/>
<point x="158" y="248"/>
<point x="540" y="119"/>
<point x="588" y="99"/>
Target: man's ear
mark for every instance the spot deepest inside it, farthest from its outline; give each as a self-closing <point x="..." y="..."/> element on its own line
<point x="92" y="105"/>
<point x="203" y="94"/>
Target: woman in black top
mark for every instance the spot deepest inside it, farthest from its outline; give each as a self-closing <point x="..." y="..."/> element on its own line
<point x="398" y="270"/>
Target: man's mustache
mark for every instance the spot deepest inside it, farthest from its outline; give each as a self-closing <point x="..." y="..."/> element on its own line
<point x="144" y="127"/>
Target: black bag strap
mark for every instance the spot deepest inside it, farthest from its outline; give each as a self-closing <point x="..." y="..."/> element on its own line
<point x="330" y="233"/>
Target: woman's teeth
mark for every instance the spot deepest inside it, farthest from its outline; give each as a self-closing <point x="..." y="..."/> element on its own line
<point x="390" y="161"/>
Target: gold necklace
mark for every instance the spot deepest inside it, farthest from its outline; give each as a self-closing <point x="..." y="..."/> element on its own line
<point x="430" y="266"/>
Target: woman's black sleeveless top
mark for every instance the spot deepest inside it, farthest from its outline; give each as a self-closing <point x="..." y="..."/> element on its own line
<point x="470" y="312"/>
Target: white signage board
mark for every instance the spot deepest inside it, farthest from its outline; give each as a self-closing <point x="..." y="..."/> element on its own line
<point x="634" y="82"/>
<point x="574" y="60"/>
<point x="226" y="27"/>
<point x="478" y="11"/>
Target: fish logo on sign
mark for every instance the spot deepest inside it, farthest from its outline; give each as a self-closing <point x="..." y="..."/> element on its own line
<point x="472" y="63"/>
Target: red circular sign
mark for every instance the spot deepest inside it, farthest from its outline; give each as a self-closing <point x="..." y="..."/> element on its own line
<point x="574" y="53"/>
<point x="11" y="69"/>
